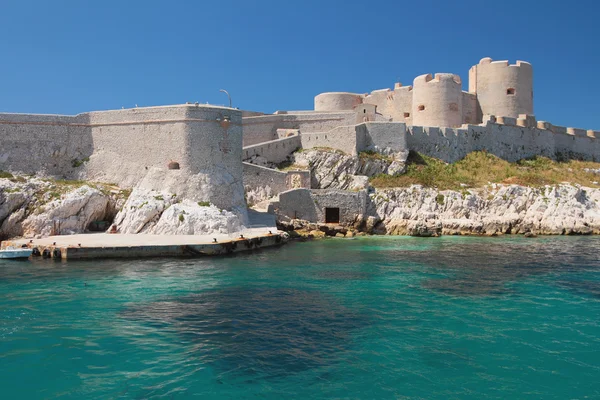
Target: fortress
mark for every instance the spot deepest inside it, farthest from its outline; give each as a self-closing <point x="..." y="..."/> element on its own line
<point x="495" y="88"/>
<point x="199" y="150"/>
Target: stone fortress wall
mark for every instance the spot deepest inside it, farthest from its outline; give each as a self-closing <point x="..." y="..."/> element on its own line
<point x="495" y="88"/>
<point x="436" y="117"/>
<point x="48" y="143"/>
<point x="136" y="147"/>
<point x="132" y="147"/>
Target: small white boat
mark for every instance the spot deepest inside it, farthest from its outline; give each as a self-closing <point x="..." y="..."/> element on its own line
<point x="15" y="253"/>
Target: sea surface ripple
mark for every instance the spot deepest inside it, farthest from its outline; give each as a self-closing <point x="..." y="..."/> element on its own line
<point x="377" y="317"/>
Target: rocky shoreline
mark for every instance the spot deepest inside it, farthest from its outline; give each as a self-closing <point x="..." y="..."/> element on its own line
<point x="490" y="211"/>
<point x="32" y="207"/>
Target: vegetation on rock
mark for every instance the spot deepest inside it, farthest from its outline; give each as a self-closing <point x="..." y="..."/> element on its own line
<point x="480" y="168"/>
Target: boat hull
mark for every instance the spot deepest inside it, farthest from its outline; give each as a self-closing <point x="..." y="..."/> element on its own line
<point x="20" y="254"/>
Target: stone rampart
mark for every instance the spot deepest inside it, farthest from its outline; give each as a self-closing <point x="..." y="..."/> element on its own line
<point x="511" y="139"/>
<point x="134" y="147"/>
<point x="44" y="144"/>
<point x="381" y="137"/>
<point x="275" y="151"/>
<point x="342" y="138"/>
<point x="257" y="177"/>
<point x="264" y="128"/>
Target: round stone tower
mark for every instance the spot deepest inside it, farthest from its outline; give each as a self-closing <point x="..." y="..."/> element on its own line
<point x="502" y="90"/>
<point x="437" y="101"/>
<point x="337" y="101"/>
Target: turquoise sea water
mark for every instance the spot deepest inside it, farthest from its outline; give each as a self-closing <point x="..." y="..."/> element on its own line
<point x="437" y="318"/>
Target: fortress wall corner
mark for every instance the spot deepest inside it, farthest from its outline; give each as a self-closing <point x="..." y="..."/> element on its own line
<point x="214" y="154"/>
<point x="469" y="109"/>
<point x="134" y="148"/>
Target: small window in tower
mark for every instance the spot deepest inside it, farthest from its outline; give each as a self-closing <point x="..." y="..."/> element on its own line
<point x="406" y="115"/>
<point x="510" y="91"/>
<point x="364" y="111"/>
<point x="421" y="107"/>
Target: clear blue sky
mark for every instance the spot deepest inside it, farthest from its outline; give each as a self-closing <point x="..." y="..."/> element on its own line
<point x="67" y="56"/>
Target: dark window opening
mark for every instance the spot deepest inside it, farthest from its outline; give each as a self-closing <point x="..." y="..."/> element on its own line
<point x="364" y="111"/>
<point x="406" y="115"/>
<point x="421" y="107"/>
<point x="332" y="215"/>
<point x="510" y="91"/>
<point x="173" y="165"/>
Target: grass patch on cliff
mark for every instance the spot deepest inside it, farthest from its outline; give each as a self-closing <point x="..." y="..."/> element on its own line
<point x="373" y="155"/>
<point x="479" y="168"/>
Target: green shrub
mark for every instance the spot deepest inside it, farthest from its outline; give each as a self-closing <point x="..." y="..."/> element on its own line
<point x="479" y="168"/>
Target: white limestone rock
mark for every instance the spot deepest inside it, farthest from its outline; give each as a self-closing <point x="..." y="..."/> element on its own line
<point x="189" y="218"/>
<point x="154" y="212"/>
<point x="358" y="182"/>
<point x="335" y="170"/>
<point x="497" y="209"/>
<point x="142" y="210"/>
<point x="217" y="185"/>
<point x="258" y="195"/>
<point x="70" y="214"/>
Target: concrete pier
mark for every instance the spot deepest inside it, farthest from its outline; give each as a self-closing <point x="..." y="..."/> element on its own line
<point x="103" y="245"/>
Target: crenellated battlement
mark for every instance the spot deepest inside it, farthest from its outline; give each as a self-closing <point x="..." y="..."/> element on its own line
<point x="441" y="77"/>
<point x="437" y="78"/>
<point x="378" y="91"/>
<point x="500" y="97"/>
<point x="504" y="63"/>
<point x="422" y="79"/>
<point x="403" y="88"/>
<point x="529" y="121"/>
